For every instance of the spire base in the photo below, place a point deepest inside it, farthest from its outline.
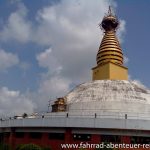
(110, 71)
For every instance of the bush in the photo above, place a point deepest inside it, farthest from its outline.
(5, 147)
(19, 146)
(30, 147)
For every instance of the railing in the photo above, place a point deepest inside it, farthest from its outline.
(84, 114)
(92, 120)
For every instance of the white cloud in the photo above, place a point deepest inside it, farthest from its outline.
(122, 30)
(50, 88)
(7, 60)
(139, 83)
(126, 60)
(69, 23)
(13, 102)
(17, 27)
(54, 87)
(52, 84)
(46, 59)
(71, 29)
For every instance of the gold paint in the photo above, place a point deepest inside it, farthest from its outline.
(111, 46)
(110, 57)
(59, 105)
(110, 71)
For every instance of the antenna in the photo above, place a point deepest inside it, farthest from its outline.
(109, 10)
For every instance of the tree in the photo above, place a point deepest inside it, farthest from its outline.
(30, 147)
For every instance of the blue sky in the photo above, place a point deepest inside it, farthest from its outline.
(136, 40)
(47, 47)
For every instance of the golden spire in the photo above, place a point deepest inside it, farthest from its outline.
(110, 57)
(110, 50)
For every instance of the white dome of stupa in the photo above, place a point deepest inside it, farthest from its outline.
(109, 96)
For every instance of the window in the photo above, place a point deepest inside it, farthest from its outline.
(35, 135)
(82, 137)
(56, 136)
(6, 134)
(19, 134)
(140, 140)
(111, 138)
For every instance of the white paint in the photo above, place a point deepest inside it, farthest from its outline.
(109, 97)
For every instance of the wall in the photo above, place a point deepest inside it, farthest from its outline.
(55, 144)
(110, 71)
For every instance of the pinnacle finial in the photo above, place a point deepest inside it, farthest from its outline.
(110, 21)
(110, 56)
(109, 11)
(110, 49)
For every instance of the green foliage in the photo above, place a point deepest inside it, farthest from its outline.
(19, 146)
(30, 147)
(4, 147)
